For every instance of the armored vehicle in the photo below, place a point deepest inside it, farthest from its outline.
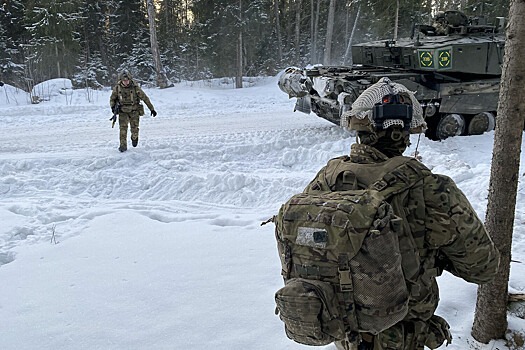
(453, 66)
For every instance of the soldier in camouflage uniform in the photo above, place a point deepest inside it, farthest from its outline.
(436, 216)
(127, 95)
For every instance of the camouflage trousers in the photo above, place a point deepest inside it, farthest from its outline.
(132, 119)
(405, 335)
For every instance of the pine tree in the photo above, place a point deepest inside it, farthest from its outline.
(94, 42)
(129, 39)
(53, 45)
(12, 32)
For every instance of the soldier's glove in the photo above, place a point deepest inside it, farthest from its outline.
(153, 113)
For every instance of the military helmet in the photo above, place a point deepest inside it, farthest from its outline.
(125, 74)
(383, 105)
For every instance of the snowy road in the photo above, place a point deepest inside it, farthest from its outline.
(160, 247)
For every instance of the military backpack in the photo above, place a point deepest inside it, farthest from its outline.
(129, 99)
(339, 251)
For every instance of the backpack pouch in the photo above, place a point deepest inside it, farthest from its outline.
(380, 291)
(309, 311)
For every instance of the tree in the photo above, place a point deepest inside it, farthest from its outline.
(278, 31)
(53, 44)
(12, 32)
(329, 32)
(491, 308)
(240, 48)
(298, 4)
(93, 67)
(348, 52)
(396, 25)
(128, 38)
(162, 80)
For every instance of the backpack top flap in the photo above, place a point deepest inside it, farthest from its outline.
(336, 222)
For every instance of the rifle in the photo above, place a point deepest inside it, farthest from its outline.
(116, 110)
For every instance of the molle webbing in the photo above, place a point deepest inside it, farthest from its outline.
(127, 96)
(393, 175)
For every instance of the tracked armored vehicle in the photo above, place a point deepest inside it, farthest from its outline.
(453, 66)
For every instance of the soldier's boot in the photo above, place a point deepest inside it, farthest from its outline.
(135, 141)
(123, 145)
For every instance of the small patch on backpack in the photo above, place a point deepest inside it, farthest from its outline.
(312, 237)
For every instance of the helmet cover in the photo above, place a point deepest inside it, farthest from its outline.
(360, 116)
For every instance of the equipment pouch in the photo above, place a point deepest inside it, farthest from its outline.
(141, 109)
(438, 332)
(126, 108)
(309, 311)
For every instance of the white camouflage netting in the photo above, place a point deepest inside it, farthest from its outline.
(362, 106)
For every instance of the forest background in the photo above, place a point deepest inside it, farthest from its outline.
(90, 41)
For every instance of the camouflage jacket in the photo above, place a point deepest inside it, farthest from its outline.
(129, 97)
(448, 234)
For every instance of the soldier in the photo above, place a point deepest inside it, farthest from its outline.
(125, 101)
(436, 216)
(440, 23)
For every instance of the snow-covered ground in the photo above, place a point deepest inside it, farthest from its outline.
(161, 247)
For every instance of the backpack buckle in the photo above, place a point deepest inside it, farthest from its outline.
(345, 281)
(380, 185)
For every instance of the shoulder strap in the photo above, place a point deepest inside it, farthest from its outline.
(119, 92)
(401, 177)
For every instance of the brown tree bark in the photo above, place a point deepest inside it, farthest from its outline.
(491, 308)
(162, 79)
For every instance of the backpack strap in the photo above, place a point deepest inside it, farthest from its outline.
(401, 177)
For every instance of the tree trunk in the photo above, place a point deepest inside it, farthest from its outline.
(298, 30)
(429, 7)
(59, 73)
(312, 28)
(162, 80)
(491, 308)
(278, 31)
(327, 60)
(238, 75)
(316, 27)
(348, 53)
(396, 25)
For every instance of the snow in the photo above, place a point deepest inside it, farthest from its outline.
(161, 247)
